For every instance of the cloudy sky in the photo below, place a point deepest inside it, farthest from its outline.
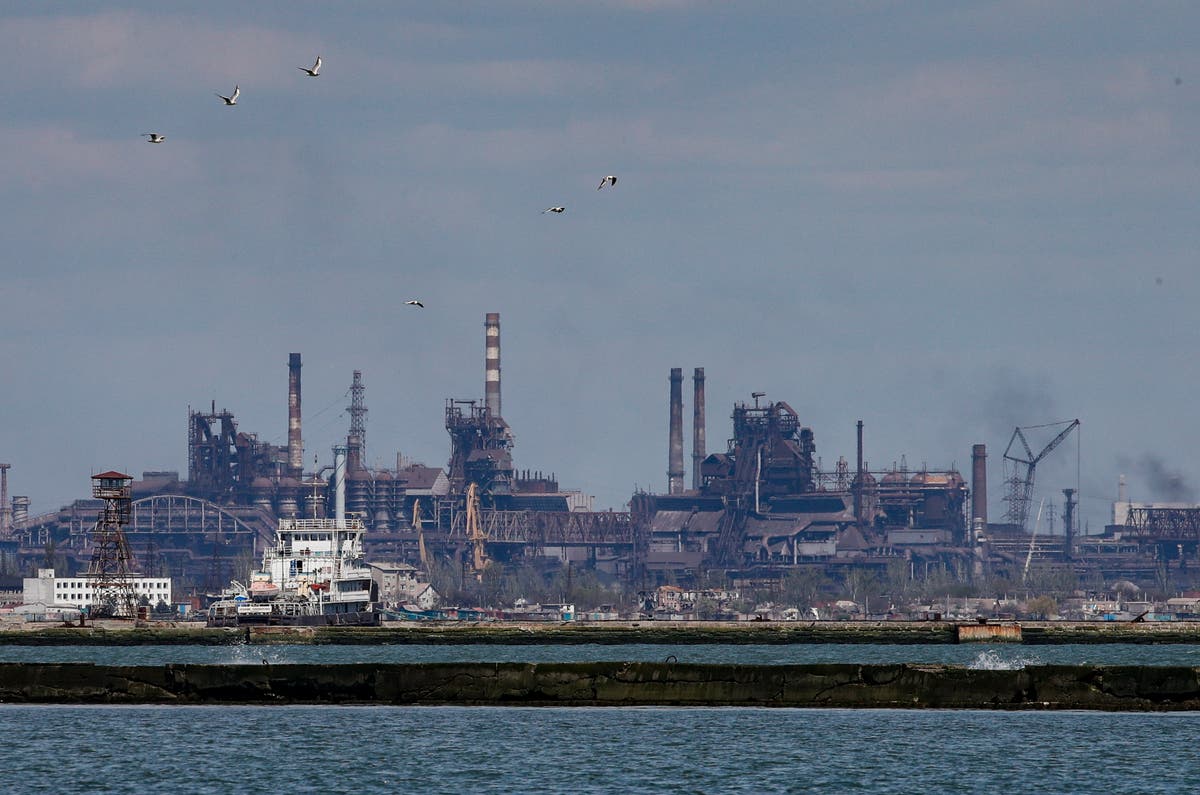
(945, 219)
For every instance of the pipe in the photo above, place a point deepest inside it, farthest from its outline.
(979, 517)
(339, 483)
(675, 471)
(858, 479)
(698, 453)
(491, 383)
(295, 443)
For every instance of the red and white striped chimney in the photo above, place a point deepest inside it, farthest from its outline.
(491, 385)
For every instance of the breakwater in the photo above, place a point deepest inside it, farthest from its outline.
(1114, 688)
(607, 633)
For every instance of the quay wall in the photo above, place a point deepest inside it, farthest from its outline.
(613, 684)
(613, 633)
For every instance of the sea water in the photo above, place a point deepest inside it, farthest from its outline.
(291, 749)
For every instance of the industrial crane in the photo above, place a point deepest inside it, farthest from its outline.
(1020, 486)
(476, 534)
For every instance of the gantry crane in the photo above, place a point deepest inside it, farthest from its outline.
(1020, 484)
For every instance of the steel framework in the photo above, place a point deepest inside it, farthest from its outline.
(109, 570)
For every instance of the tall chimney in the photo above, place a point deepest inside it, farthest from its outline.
(339, 483)
(1069, 524)
(979, 516)
(295, 444)
(697, 426)
(858, 479)
(6, 517)
(491, 385)
(675, 471)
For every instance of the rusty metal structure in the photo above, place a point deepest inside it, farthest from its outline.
(110, 570)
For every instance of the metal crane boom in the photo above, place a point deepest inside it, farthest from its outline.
(1020, 488)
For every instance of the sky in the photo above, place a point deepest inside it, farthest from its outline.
(945, 219)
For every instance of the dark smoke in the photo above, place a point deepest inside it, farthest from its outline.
(1164, 484)
(1014, 398)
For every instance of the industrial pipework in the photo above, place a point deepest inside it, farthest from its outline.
(339, 483)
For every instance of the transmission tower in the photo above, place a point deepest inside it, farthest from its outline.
(108, 572)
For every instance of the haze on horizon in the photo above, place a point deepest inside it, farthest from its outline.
(946, 221)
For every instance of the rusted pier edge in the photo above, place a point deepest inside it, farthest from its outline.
(749, 633)
(611, 684)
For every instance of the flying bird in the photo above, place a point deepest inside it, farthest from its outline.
(154, 138)
(415, 302)
(315, 71)
(609, 180)
(1179, 81)
(232, 98)
(554, 210)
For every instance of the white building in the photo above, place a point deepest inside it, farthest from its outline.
(48, 590)
(401, 584)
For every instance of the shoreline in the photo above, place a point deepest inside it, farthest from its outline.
(116, 633)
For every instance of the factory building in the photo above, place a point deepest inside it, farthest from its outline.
(761, 506)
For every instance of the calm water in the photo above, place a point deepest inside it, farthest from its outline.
(999, 656)
(223, 750)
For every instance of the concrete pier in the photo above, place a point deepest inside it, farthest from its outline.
(613, 684)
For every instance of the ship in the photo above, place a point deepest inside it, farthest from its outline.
(314, 575)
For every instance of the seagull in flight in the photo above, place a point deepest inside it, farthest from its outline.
(609, 180)
(554, 210)
(232, 98)
(315, 71)
(154, 138)
(415, 302)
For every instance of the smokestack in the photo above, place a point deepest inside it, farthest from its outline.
(979, 516)
(858, 479)
(339, 483)
(6, 517)
(697, 426)
(295, 443)
(491, 384)
(1069, 524)
(675, 471)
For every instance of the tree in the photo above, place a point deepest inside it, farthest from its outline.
(803, 587)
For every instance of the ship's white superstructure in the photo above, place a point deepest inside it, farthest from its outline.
(314, 574)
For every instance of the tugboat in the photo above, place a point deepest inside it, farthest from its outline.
(313, 576)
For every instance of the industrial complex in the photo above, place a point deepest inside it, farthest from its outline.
(753, 512)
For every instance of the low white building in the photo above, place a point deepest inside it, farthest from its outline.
(48, 589)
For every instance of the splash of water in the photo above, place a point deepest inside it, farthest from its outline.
(994, 660)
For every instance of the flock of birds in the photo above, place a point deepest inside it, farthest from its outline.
(315, 71)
